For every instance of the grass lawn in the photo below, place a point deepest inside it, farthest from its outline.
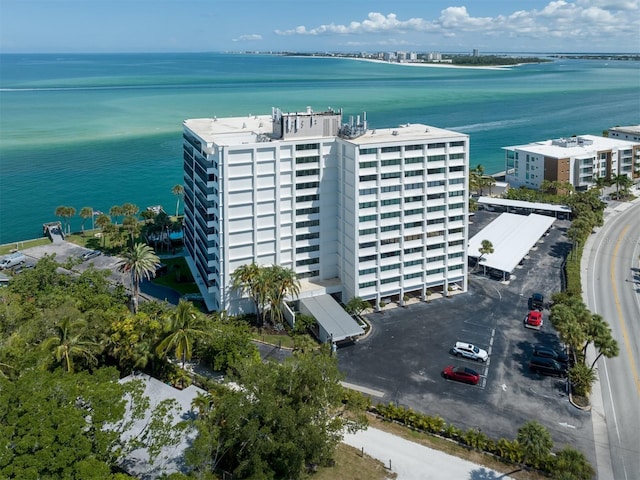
(283, 339)
(7, 248)
(351, 465)
(170, 279)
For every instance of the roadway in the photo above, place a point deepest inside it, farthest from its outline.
(611, 288)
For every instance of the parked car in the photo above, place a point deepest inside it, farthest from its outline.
(468, 350)
(547, 366)
(536, 302)
(461, 374)
(12, 260)
(90, 254)
(534, 320)
(548, 352)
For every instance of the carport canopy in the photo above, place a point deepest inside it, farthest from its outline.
(512, 236)
(521, 204)
(333, 322)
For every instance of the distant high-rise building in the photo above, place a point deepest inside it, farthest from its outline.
(476, 53)
(354, 211)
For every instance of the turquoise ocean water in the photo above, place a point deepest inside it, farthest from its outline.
(102, 130)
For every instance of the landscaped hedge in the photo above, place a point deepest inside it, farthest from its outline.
(508, 451)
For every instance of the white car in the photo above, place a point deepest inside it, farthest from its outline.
(463, 349)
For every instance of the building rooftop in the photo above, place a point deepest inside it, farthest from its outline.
(260, 128)
(630, 129)
(572, 146)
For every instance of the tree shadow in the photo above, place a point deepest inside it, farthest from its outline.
(484, 474)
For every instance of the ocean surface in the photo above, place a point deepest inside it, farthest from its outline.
(103, 130)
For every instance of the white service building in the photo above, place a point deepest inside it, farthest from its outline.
(353, 211)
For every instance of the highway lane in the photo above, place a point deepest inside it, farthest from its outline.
(613, 291)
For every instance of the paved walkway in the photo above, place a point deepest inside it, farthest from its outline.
(412, 461)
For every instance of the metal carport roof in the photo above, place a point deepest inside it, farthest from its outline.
(512, 236)
(504, 202)
(332, 319)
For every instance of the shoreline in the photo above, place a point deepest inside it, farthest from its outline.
(420, 65)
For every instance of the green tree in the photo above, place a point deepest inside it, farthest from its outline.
(582, 378)
(356, 305)
(281, 418)
(130, 209)
(250, 279)
(178, 191)
(536, 443)
(571, 464)
(229, 343)
(184, 326)
(622, 183)
(85, 213)
(57, 425)
(132, 226)
(281, 282)
(71, 339)
(139, 263)
(116, 212)
(485, 248)
(65, 213)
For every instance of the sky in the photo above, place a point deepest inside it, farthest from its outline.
(110, 26)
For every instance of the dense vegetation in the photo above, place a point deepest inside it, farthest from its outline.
(66, 340)
(490, 60)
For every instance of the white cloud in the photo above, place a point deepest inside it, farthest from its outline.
(585, 20)
(248, 38)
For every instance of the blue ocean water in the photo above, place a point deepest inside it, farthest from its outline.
(103, 130)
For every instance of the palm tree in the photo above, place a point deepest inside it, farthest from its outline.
(535, 441)
(71, 339)
(282, 282)
(178, 191)
(130, 210)
(66, 213)
(131, 225)
(140, 262)
(116, 212)
(247, 279)
(85, 213)
(183, 330)
(622, 182)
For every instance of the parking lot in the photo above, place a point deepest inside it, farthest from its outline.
(401, 360)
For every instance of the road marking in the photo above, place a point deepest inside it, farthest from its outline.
(565, 424)
(625, 335)
(360, 388)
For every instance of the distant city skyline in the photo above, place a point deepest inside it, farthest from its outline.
(113, 26)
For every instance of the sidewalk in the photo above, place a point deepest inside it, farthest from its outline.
(412, 461)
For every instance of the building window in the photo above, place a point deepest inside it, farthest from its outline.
(390, 215)
(307, 198)
(392, 188)
(307, 236)
(393, 201)
(368, 178)
(368, 218)
(367, 284)
(307, 146)
(409, 276)
(390, 280)
(309, 248)
(368, 204)
(367, 231)
(368, 164)
(307, 173)
(387, 163)
(456, 144)
(368, 151)
(436, 158)
(367, 245)
(307, 261)
(313, 159)
(368, 258)
(409, 161)
(307, 211)
(307, 185)
(385, 176)
(368, 271)
(389, 149)
(414, 173)
(412, 147)
(432, 146)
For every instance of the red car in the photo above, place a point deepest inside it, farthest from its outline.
(461, 374)
(534, 320)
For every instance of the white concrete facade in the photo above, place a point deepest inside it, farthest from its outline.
(577, 160)
(360, 212)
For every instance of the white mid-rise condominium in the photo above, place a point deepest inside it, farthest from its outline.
(576, 160)
(379, 214)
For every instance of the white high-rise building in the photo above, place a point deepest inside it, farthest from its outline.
(353, 211)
